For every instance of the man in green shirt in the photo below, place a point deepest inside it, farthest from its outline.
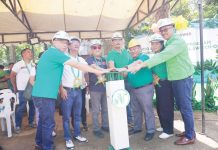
(45, 89)
(119, 57)
(180, 70)
(143, 91)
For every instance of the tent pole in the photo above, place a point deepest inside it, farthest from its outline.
(202, 63)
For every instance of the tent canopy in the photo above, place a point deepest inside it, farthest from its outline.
(22, 19)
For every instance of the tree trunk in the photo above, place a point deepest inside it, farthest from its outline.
(163, 12)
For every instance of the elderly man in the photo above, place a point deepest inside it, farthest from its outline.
(180, 70)
(119, 57)
(20, 75)
(97, 90)
(143, 91)
(45, 89)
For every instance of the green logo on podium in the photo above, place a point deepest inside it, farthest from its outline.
(120, 98)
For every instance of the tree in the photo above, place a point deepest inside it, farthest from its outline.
(186, 8)
(210, 8)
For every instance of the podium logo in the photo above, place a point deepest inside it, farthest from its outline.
(120, 98)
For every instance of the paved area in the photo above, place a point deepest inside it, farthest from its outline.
(25, 140)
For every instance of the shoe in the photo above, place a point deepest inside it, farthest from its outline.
(106, 129)
(32, 125)
(130, 125)
(98, 134)
(80, 139)
(159, 129)
(149, 136)
(17, 130)
(85, 128)
(69, 144)
(165, 135)
(132, 131)
(37, 147)
(182, 134)
(54, 134)
(184, 141)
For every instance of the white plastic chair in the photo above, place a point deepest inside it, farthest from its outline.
(7, 110)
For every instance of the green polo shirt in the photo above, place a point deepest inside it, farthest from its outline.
(143, 76)
(49, 73)
(120, 59)
(176, 56)
(160, 70)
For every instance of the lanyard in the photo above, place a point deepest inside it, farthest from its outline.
(78, 72)
(28, 69)
(96, 62)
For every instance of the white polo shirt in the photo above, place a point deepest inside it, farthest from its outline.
(70, 73)
(23, 73)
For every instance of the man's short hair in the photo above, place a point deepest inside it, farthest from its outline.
(24, 51)
(11, 63)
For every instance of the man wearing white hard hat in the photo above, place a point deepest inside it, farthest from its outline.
(97, 90)
(71, 94)
(180, 70)
(45, 89)
(163, 89)
(142, 93)
(119, 57)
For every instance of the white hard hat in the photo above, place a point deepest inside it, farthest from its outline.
(61, 35)
(156, 37)
(95, 42)
(164, 22)
(117, 35)
(72, 38)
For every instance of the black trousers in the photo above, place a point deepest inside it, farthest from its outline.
(165, 105)
(83, 111)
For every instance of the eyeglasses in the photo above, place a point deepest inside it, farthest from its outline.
(96, 47)
(165, 29)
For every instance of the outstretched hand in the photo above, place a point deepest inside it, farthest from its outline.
(135, 66)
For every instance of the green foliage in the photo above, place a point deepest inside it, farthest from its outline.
(209, 65)
(19, 48)
(210, 8)
(189, 9)
(211, 68)
(3, 55)
(185, 8)
(131, 33)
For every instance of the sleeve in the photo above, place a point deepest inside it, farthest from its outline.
(144, 57)
(16, 67)
(60, 57)
(169, 52)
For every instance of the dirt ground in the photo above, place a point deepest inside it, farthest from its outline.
(25, 140)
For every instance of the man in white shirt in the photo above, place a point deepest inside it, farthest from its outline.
(71, 94)
(20, 75)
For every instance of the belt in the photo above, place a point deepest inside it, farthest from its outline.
(143, 86)
(68, 88)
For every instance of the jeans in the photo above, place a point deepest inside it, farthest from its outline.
(182, 90)
(165, 105)
(83, 111)
(46, 123)
(21, 108)
(99, 104)
(129, 106)
(72, 103)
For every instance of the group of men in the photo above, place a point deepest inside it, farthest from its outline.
(61, 70)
